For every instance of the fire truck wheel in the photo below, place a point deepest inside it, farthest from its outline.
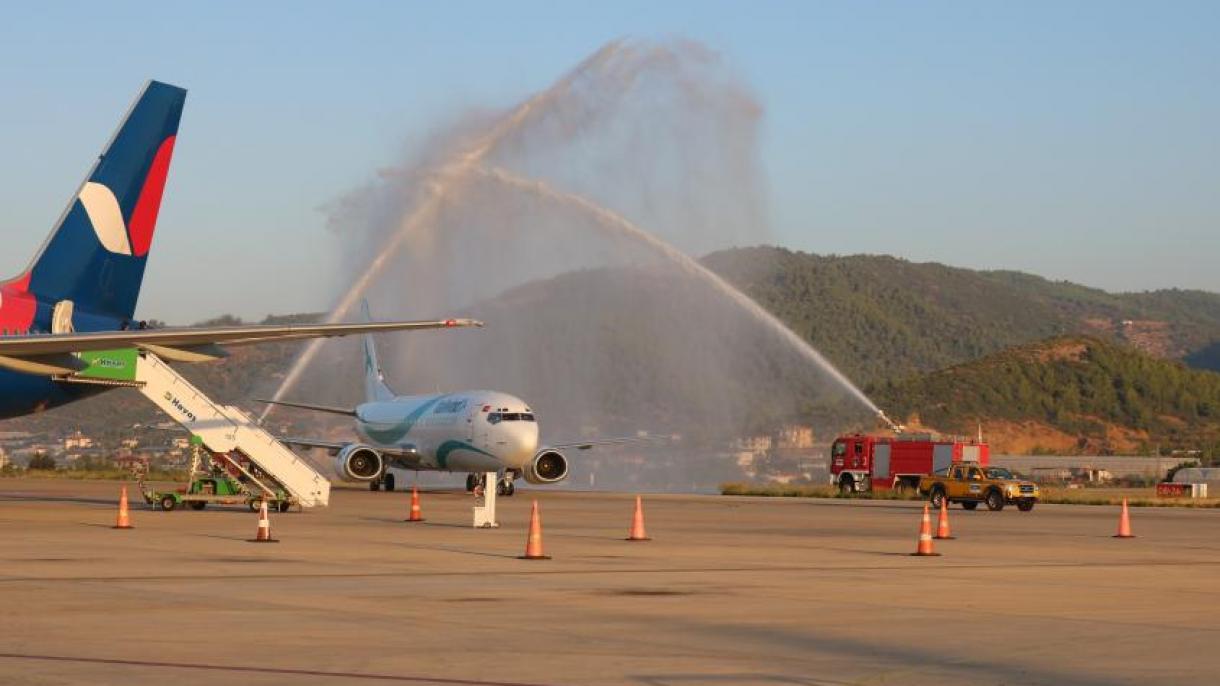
(198, 504)
(168, 503)
(969, 504)
(284, 505)
(938, 497)
(995, 500)
(846, 485)
(255, 505)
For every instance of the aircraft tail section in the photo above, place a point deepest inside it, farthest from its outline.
(375, 388)
(96, 253)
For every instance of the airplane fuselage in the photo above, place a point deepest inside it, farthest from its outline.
(470, 431)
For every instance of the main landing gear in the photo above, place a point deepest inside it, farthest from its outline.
(386, 481)
(504, 486)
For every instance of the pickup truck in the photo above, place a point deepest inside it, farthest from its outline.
(970, 484)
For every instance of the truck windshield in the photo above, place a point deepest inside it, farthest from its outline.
(840, 449)
(999, 473)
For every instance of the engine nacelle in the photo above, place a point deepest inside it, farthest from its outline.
(357, 462)
(547, 467)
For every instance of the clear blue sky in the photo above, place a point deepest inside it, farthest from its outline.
(1073, 140)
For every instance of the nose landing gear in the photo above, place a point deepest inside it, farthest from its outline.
(504, 485)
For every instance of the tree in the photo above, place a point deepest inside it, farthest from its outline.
(42, 461)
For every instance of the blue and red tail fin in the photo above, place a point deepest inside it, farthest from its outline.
(96, 254)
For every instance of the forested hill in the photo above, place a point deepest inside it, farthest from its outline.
(1070, 394)
(883, 318)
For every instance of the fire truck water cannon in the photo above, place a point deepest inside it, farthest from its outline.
(898, 428)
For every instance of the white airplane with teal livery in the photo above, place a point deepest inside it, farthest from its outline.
(475, 432)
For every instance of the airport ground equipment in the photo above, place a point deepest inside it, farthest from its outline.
(860, 463)
(485, 505)
(225, 430)
(970, 484)
(218, 480)
(261, 462)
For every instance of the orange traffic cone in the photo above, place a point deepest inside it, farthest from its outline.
(637, 523)
(124, 519)
(416, 513)
(264, 527)
(942, 523)
(924, 548)
(533, 544)
(1124, 523)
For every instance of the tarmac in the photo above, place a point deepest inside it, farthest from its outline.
(729, 591)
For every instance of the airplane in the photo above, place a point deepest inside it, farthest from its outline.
(79, 293)
(476, 432)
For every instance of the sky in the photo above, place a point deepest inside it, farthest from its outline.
(1074, 140)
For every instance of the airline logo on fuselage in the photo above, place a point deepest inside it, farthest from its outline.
(450, 407)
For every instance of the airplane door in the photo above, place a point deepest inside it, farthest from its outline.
(480, 428)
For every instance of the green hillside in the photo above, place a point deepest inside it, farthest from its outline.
(1095, 390)
(881, 317)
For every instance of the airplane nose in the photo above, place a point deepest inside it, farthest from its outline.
(522, 444)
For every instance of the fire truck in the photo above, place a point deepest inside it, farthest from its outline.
(860, 463)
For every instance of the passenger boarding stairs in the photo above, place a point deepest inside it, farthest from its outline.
(224, 428)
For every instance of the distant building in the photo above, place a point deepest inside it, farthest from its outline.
(755, 444)
(4, 459)
(130, 443)
(795, 436)
(77, 441)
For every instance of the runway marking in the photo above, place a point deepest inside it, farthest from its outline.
(591, 572)
(264, 670)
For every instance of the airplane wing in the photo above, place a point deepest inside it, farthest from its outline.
(586, 445)
(52, 353)
(406, 457)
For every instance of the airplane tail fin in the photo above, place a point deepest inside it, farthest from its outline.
(375, 387)
(96, 253)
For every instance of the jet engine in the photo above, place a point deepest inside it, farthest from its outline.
(547, 467)
(357, 462)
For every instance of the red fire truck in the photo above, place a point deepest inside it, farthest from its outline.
(862, 463)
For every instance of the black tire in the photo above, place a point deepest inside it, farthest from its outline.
(994, 500)
(284, 505)
(847, 485)
(969, 504)
(388, 482)
(937, 497)
(255, 505)
(197, 504)
(375, 485)
(510, 489)
(1025, 505)
(471, 482)
(501, 488)
(168, 503)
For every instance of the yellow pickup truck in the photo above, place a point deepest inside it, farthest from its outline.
(970, 484)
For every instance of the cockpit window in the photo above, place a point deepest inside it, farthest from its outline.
(497, 417)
